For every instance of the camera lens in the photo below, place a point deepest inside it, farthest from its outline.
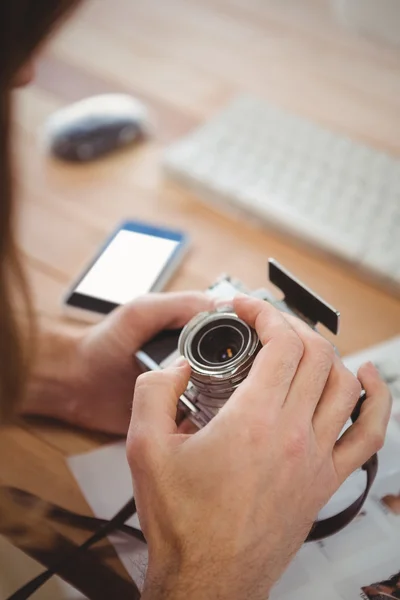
(221, 344)
(220, 348)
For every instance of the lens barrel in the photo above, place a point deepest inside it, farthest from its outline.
(221, 349)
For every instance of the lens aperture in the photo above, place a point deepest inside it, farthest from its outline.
(220, 344)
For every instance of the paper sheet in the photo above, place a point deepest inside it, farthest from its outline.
(362, 561)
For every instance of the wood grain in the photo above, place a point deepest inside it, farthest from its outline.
(185, 59)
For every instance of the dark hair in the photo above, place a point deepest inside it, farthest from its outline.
(24, 26)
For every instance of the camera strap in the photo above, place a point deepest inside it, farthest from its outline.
(327, 527)
(72, 560)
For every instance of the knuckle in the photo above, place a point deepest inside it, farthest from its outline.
(288, 351)
(323, 349)
(388, 398)
(148, 380)
(314, 341)
(138, 446)
(357, 388)
(321, 354)
(372, 438)
(297, 443)
(353, 385)
(294, 344)
(257, 434)
(384, 392)
(376, 439)
(350, 386)
(141, 449)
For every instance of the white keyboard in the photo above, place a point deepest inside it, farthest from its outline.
(285, 171)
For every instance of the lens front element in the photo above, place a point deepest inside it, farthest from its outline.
(220, 348)
(220, 342)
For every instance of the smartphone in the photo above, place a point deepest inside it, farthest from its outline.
(136, 259)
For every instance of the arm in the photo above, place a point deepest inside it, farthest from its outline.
(53, 383)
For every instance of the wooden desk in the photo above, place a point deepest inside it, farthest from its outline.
(186, 59)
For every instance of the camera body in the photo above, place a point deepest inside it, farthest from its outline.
(221, 348)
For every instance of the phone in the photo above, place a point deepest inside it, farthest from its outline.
(136, 259)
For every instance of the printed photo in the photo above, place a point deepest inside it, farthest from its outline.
(375, 581)
(392, 503)
(386, 493)
(384, 590)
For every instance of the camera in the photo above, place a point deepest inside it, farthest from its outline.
(221, 348)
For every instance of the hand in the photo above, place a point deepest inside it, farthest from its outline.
(95, 373)
(225, 510)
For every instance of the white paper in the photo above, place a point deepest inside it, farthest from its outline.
(346, 566)
(105, 480)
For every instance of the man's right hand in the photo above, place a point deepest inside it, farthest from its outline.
(225, 510)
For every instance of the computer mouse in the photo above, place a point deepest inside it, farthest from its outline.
(96, 126)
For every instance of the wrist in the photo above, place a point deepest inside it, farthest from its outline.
(172, 581)
(53, 383)
(175, 579)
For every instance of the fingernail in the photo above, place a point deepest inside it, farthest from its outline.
(371, 368)
(179, 363)
(222, 304)
(242, 297)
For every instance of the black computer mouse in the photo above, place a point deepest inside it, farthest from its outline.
(95, 127)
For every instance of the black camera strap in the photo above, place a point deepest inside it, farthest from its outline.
(327, 527)
(127, 590)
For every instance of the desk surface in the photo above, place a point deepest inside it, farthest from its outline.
(186, 59)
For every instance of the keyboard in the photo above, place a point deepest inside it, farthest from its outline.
(280, 170)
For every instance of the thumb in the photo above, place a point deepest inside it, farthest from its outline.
(155, 400)
(135, 323)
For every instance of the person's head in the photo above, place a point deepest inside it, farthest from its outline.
(24, 26)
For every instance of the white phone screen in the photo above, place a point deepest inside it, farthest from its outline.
(128, 267)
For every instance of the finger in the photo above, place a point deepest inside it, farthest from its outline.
(313, 372)
(131, 325)
(366, 436)
(267, 320)
(155, 400)
(187, 427)
(339, 398)
(276, 364)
